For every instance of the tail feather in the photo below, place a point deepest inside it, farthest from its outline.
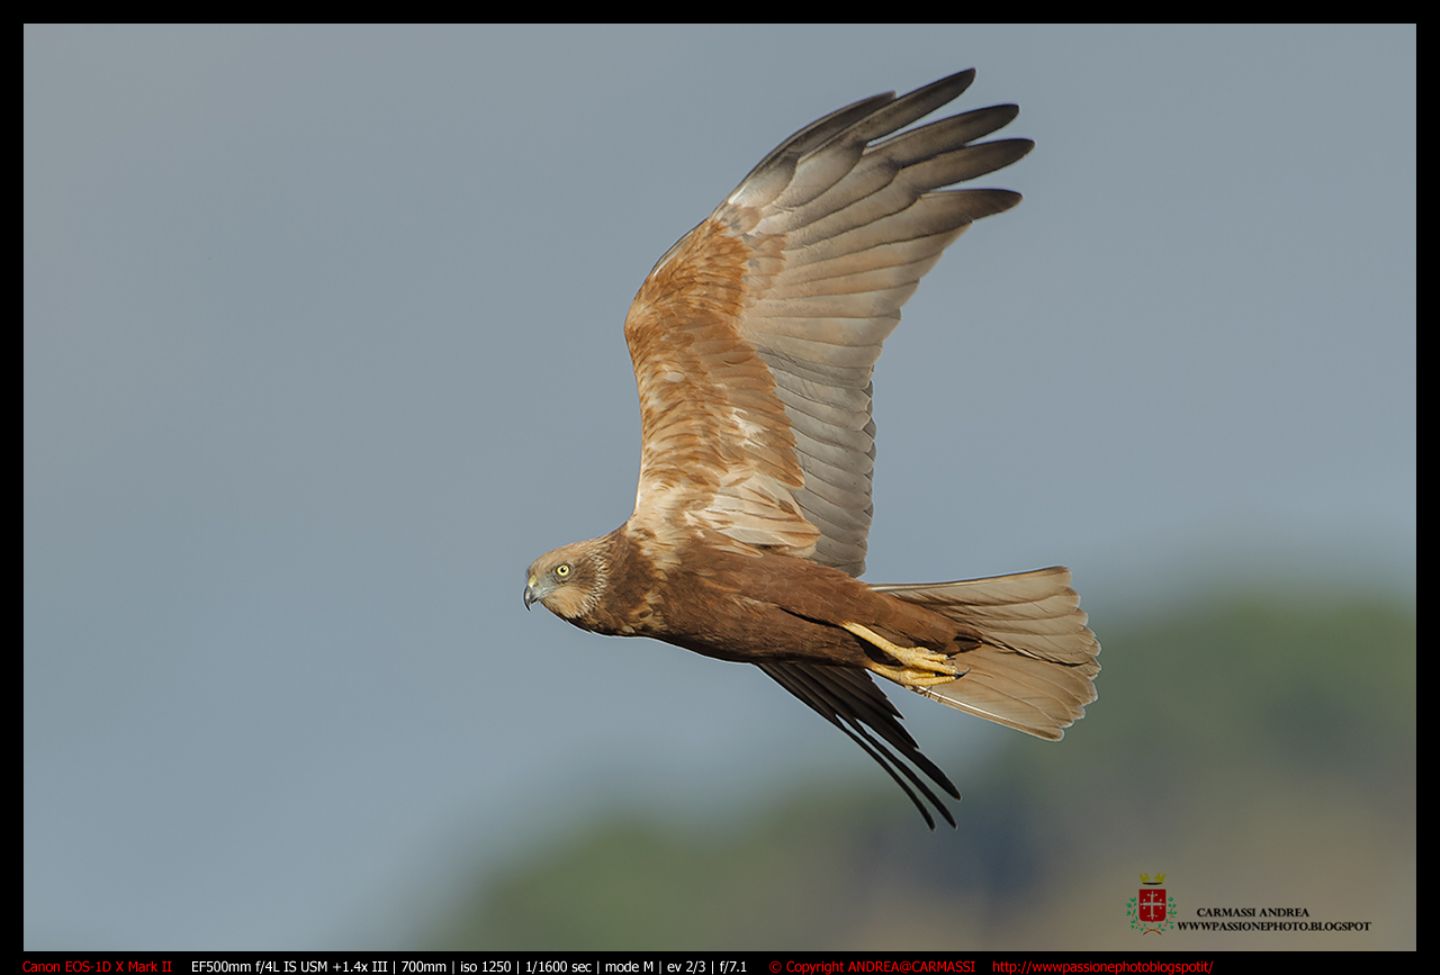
(1035, 665)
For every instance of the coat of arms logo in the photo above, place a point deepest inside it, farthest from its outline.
(1152, 909)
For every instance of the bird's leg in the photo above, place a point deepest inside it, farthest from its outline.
(922, 667)
(906, 677)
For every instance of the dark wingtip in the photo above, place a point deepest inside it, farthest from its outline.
(966, 74)
(945, 811)
(943, 781)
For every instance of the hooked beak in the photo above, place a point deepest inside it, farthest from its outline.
(530, 597)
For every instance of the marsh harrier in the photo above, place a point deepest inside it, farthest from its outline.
(753, 340)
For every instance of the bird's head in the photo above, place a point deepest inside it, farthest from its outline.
(569, 580)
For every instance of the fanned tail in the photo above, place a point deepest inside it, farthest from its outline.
(1034, 668)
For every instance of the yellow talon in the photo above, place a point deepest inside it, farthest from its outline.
(918, 660)
(906, 677)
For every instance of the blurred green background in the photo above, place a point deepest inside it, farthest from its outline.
(1258, 748)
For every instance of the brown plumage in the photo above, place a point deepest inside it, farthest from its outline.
(753, 340)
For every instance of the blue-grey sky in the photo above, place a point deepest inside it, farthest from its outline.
(323, 345)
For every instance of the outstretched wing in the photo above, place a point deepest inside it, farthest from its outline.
(754, 337)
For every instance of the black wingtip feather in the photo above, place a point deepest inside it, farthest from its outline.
(826, 693)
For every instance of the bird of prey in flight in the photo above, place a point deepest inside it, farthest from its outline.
(753, 340)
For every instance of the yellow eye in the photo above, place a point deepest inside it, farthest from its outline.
(562, 570)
